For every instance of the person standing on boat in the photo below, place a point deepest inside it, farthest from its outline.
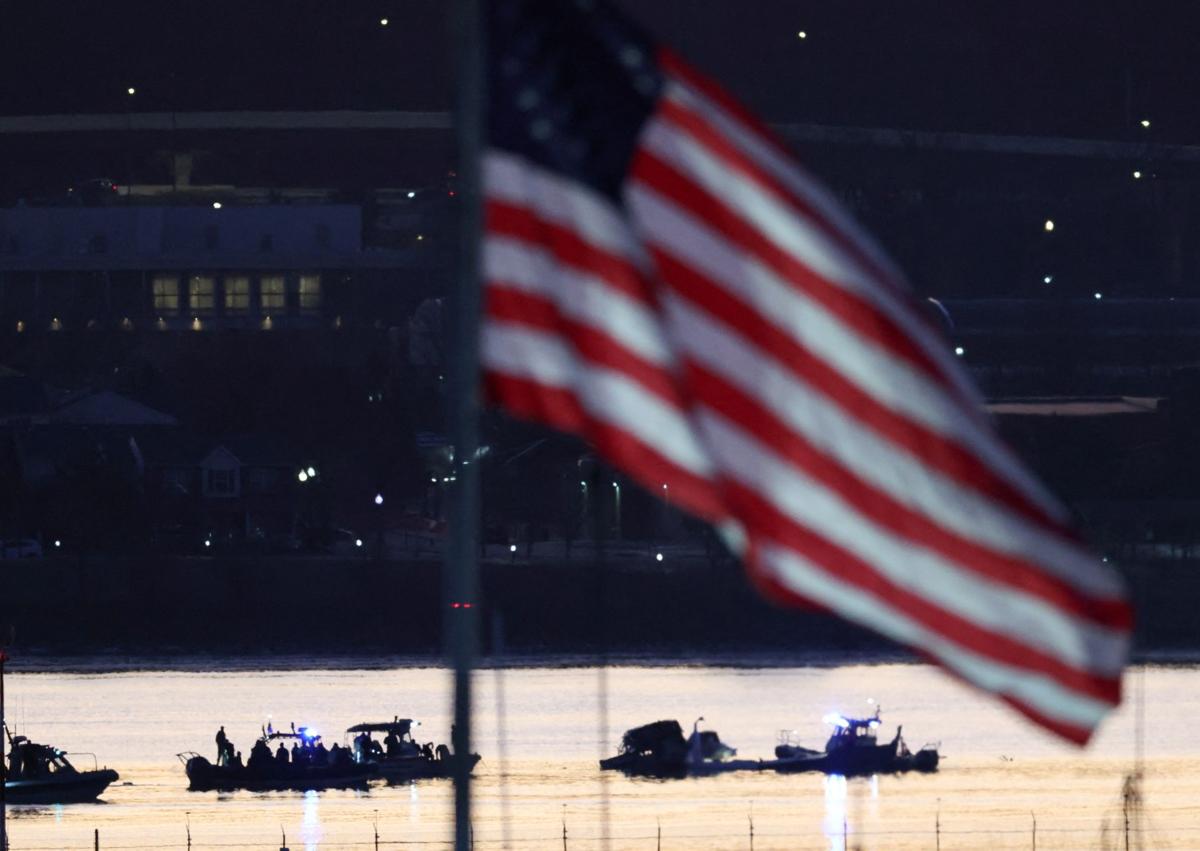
(281, 755)
(222, 745)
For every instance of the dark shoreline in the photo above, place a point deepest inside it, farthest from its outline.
(35, 661)
(222, 610)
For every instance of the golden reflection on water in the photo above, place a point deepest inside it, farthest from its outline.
(999, 774)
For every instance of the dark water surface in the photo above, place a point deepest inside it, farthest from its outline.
(539, 769)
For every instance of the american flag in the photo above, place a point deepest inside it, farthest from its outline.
(663, 279)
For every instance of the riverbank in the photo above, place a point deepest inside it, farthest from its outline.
(632, 608)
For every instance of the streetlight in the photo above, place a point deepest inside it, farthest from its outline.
(617, 508)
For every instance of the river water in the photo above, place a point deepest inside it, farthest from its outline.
(540, 732)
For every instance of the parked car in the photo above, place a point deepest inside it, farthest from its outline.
(20, 548)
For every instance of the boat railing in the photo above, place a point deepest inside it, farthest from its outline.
(185, 756)
(73, 754)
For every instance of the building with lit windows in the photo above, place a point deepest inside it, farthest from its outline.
(148, 266)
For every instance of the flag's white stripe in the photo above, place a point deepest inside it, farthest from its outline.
(595, 219)
(888, 380)
(1039, 691)
(839, 436)
(510, 263)
(796, 235)
(606, 394)
(999, 609)
(783, 169)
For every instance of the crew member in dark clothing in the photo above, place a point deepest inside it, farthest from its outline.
(260, 755)
(221, 743)
(281, 755)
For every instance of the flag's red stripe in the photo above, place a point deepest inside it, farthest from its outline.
(592, 344)
(927, 446)
(560, 408)
(889, 513)
(686, 120)
(1073, 732)
(764, 519)
(528, 225)
(676, 67)
(852, 309)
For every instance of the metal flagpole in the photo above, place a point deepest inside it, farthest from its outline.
(3, 762)
(462, 567)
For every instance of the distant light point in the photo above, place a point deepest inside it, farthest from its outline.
(658, 556)
(216, 205)
(131, 90)
(1146, 123)
(302, 475)
(512, 548)
(802, 35)
(1049, 279)
(960, 351)
(379, 499)
(1137, 175)
(1049, 225)
(1097, 296)
(383, 22)
(412, 194)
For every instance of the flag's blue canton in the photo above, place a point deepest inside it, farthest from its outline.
(571, 84)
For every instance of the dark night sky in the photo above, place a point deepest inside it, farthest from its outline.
(1054, 68)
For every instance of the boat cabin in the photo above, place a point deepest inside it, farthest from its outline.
(30, 761)
(397, 739)
(851, 732)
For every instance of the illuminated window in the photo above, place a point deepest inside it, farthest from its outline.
(166, 294)
(310, 292)
(201, 293)
(237, 295)
(272, 295)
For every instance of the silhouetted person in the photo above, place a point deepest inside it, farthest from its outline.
(337, 754)
(222, 741)
(260, 755)
(281, 755)
(296, 757)
(320, 754)
(236, 762)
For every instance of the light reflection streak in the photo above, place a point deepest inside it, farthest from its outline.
(310, 829)
(834, 824)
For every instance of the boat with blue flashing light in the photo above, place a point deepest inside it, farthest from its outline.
(42, 774)
(853, 749)
(399, 757)
(306, 765)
